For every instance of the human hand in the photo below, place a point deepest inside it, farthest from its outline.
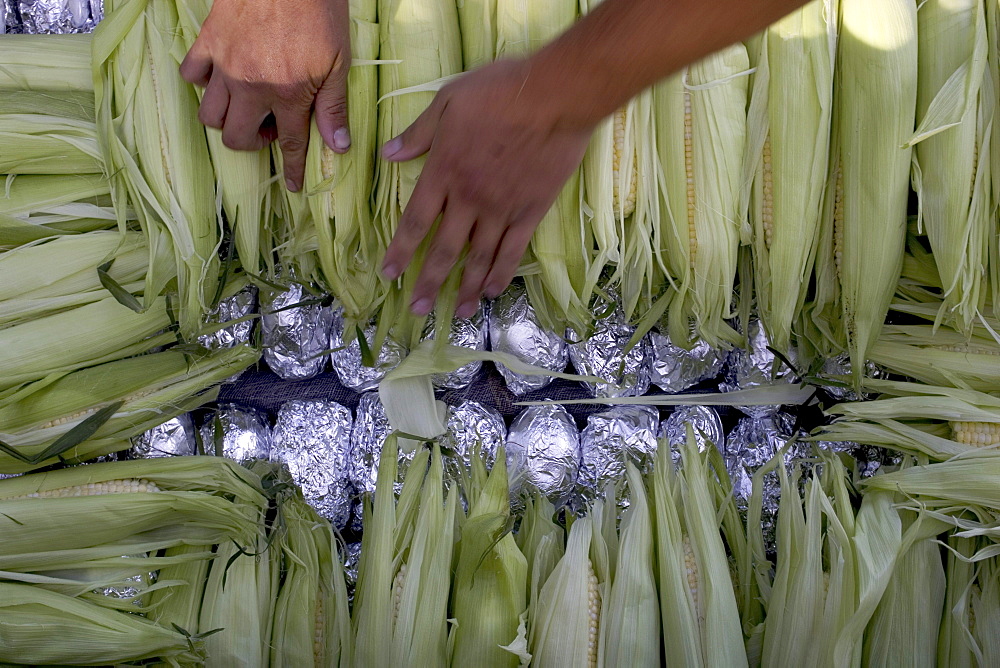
(265, 69)
(498, 155)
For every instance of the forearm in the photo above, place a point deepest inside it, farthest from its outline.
(625, 46)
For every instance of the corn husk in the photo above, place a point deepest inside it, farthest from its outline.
(64, 69)
(43, 143)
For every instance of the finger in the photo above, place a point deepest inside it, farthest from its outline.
(331, 109)
(214, 104)
(241, 131)
(486, 238)
(422, 210)
(197, 65)
(416, 140)
(508, 259)
(293, 138)
(449, 241)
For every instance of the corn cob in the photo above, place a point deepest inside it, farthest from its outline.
(349, 244)
(789, 141)
(630, 634)
(491, 578)
(701, 134)
(153, 389)
(542, 542)
(942, 357)
(157, 155)
(64, 69)
(47, 144)
(955, 112)
(877, 89)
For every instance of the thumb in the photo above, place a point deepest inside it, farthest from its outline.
(415, 140)
(331, 111)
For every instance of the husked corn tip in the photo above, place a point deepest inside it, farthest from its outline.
(326, 166)
(628, 206)
(163, 145)
(979, 434)
(969, 349)
(691, 570)
(689, 175)
(397, 591)
(594, 603)
(123, 486)
(79, 415)
(767, 209)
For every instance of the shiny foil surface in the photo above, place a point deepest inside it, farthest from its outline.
(173, 438)
(470, 333)
(754, 367)
(243, 434)
(240, 305)
(612, 438)
(514, 329)
(295, 339)
(603, 355)
(543, 453)
(313, 439)
(472, 427)
(674, 369)
(707, 428)
(347, 362)
(56, 17)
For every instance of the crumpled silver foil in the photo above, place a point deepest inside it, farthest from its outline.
(139, 584)
(468, 333)
(674, 369)
(612, 438)
(352, 557)
(707, 429)
(514, 329)
(295, 339)
(240, 305)
(9, 22)
(841, 366)
(603, 355)
(371, 427)
(750, 445)
(754, 367)
(60, 16)
(347, 363)
(173, 438)
(472, 427)
(869, 459)
(245, 434)
(313, 439)
(543, 453)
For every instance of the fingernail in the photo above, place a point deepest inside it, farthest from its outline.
(342, 139)
(392, 147)
(292, 185)
(467, 310)
(422, 306)
(390, 271)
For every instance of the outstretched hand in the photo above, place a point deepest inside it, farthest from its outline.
(497, 157)
(264, 70)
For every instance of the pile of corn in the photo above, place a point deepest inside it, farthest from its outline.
(185, 561)
(842, 164)
(200, 560)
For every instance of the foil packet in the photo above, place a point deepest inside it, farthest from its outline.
(347, 359)
(132, 588)
(173, 438)
(468, 333)
(543, 453)
(756, 366)
(603, 355)
(612, 438)
(240, 305)
(9, 21)
(56, 17)
(351, 555)
(313, 440)
(241, 434)
(472, 427)
(295, 338)
(841, 366)
(514, 329)
(371, 427)
(707, 427)
(674, 369)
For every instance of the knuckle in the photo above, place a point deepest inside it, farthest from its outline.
(479, 258)
(292, 143)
